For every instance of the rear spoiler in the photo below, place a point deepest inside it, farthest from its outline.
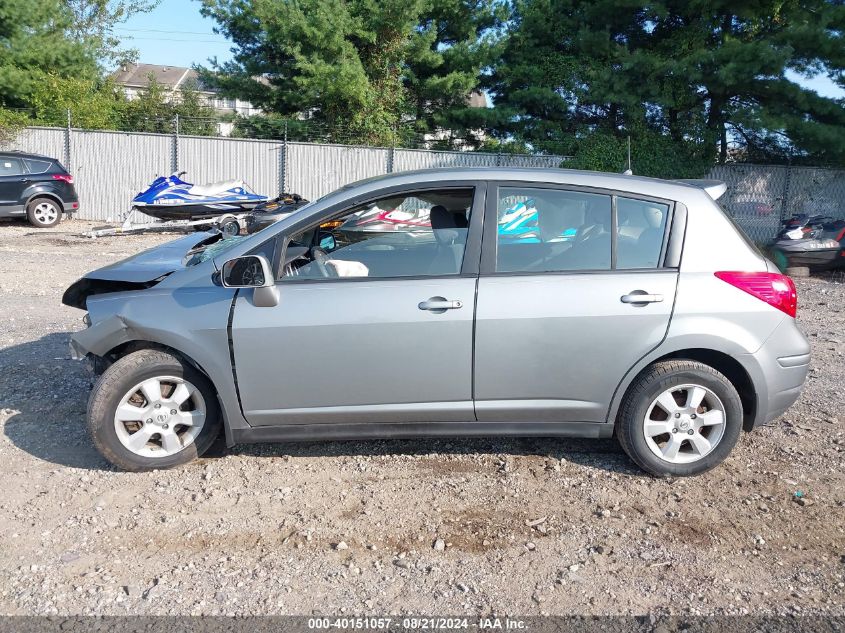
(714, 188)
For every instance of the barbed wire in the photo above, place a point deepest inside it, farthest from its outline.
(404, 135)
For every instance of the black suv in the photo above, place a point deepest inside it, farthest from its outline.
(37, 186)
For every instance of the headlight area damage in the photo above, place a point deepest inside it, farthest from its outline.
(139, 272)
(78, 292)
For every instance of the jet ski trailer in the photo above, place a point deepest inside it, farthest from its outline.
(228, 224)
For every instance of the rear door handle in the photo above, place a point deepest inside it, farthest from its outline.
(641, 297)
(438, 305)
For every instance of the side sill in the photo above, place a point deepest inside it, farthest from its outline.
(300, 432)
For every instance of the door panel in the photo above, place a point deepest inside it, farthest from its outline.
(554, 347)
(356, 351)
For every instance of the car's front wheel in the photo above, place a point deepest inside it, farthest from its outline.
(679, 418)
(43, 212)
(151, 409)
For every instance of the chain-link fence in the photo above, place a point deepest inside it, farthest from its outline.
(760, 197)
(110, 168)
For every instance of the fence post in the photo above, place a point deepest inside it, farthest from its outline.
(391, 152)
(67, 155)
(283, 162)
(785, 192)
(174, 154)
(499, 159)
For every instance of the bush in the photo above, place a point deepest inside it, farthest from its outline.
(652, 154)
(11, 124)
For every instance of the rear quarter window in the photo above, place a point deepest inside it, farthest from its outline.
(742, 234)
(36, 166)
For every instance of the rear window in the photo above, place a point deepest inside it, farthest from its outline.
(36, 166)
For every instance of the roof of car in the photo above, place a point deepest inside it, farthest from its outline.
(670, 189)
(20, 154)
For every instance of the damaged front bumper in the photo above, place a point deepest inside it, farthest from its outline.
(99, 338)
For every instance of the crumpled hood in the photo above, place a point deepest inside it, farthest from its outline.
(137, 272)
(155, 262)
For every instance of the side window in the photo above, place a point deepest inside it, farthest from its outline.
(641, 225)
(413, 234)
(37, 166)
(549, 230)
(10, 166)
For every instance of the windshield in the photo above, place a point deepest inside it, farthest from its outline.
(209, 251)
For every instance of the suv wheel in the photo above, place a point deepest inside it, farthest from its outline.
(151, 409)
(679, 418)
(43, 212)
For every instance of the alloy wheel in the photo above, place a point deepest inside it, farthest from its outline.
(45, 212)
(160, 416)
(684, 423)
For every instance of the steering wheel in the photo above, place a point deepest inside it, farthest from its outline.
(319, 257)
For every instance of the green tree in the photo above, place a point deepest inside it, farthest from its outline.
(92, 104)
(704, 74)
(34, 40)
(94, 22)
(11, 124)
(362, 67)
(155, 110)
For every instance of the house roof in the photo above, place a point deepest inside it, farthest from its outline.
(138, 75)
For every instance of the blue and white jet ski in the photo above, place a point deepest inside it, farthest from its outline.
(171, 198)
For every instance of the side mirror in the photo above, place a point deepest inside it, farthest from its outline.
(252, 271)
(327, 242)
(249, 271)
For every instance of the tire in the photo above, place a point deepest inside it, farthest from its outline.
(679, 378)
(43, 212)
(117, 382)
(229, 226)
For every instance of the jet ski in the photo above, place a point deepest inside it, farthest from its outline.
(815, 241)
(171, 198)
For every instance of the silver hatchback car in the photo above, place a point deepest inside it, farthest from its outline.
(450, 302)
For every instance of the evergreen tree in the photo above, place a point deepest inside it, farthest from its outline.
(703, 74)
(363, 67)
(34, 40)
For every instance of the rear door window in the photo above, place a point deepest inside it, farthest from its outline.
(552, 230)
(10, 166)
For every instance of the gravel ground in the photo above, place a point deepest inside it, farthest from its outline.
(436, 527)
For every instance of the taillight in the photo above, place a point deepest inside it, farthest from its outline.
(64, 178)
(775, 289)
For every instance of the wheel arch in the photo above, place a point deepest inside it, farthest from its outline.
(722, 362)
(45, 194)
(127, 347)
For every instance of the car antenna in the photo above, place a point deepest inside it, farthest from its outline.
(629, 171)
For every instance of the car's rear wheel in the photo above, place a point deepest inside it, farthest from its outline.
(43, 212)
(679, 418)
(151, 409)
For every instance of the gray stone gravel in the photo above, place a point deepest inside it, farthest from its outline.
(454, 526)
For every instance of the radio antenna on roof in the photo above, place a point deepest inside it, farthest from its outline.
(629, 171)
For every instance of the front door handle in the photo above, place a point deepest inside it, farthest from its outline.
(439, 305)
(640, 297)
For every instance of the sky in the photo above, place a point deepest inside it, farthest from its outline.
(175, 34)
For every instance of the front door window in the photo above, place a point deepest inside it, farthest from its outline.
(407, 235)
